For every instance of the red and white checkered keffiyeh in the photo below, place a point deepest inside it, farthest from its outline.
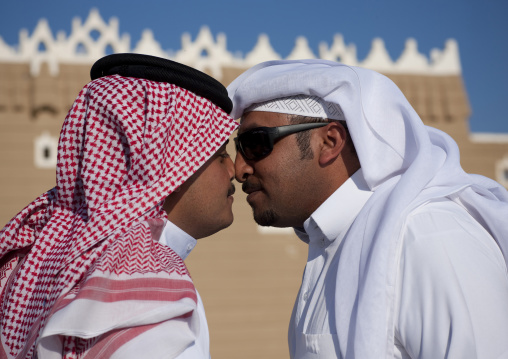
(81, 271)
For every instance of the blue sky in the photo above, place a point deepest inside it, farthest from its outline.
(480, 27)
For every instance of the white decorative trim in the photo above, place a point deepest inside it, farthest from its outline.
(275, 230)
(207, 53)
(482, 137)
(45, 151)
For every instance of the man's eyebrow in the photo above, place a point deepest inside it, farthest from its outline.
(250, 127)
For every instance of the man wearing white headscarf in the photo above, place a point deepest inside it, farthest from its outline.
(407, 252)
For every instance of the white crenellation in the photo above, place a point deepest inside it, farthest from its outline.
(40, 48)
(378, 58)
(447, 61)
(339, 51)
(301, 50)
(81, 47)
(148, 45)
(411, 59)
(206, 53)
(262, 51)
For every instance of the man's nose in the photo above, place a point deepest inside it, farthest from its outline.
(230, 168)
(242, 168)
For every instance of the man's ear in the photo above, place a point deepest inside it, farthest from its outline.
(333, 140)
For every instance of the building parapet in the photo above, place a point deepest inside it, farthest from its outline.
(95, 38)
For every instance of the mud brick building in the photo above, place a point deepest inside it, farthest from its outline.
(247, 276)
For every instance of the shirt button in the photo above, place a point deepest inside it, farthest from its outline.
(305, 296)
(323, 242)
(189, 248)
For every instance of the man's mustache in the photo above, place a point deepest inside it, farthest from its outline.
(249, 187)
(232, 190)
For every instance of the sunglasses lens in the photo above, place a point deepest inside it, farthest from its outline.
(255, 144)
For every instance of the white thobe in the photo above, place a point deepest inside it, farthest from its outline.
(451, 292)
(182, 243)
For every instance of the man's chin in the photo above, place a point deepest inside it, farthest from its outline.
(266, 218)
(229, 222)
(221, 225)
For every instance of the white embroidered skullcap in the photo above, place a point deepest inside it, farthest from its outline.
(302, 105)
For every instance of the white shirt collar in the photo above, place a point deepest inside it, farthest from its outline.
(335, 215)
(178, 240)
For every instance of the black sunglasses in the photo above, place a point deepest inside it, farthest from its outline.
(258, 142)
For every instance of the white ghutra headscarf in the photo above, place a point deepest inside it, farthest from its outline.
(404, 162)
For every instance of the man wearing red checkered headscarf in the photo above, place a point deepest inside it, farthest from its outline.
(94, 267)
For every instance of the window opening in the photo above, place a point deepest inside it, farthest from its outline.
(95, 34)
(81, 49)
(42, 47)
(109, 50)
